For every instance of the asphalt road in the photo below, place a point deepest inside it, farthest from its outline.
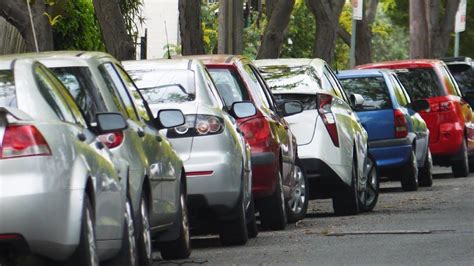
(433, 226)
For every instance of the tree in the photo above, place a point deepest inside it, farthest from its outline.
(431, 25)
(273, 37)
(16, 13)
(231, 27)
(114, 32)
(326, 14)
(190, 27)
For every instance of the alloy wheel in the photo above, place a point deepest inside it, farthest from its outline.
(91, 239)
(146, 229)
(298, 199)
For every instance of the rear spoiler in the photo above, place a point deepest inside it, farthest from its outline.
(15, 113)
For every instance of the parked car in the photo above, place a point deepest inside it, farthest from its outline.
(449, 118)
(98, 83)
(279, 184)
(63, 195)
(332, 144)
(462, 70)
(398, 136)
(215, 155)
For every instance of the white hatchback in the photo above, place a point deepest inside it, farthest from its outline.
(332, 144)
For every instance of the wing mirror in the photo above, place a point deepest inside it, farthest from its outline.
(169, 118)
(357, 101)
(292, 108)
(243, 109)
(110, 123)
(420, 105)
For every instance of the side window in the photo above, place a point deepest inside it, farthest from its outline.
(399, 94)
(454, 85)
(265, 89)
(114, 84)
(137, 97)
(256, 87)
(332, 84)
(210, 83)
(52, 96)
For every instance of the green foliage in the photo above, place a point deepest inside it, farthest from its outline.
(210, 22)
(253, 34)
(76, 28)
(133, 16)
(390, 41)
(300, 33)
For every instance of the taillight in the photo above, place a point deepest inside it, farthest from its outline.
(112, 140)
(442, 106)
(198, 125)
(256, 131)
(324, 109)
(10, 237)
(23, 141)
(400, 123)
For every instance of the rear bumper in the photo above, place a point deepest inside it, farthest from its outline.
(451, 136)
(390, 153)
(264, 172)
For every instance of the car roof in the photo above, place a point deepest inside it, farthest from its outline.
(409, 63)
(218, 59)
(291, 62)
(63, 56)
(167, 64)
(352, 73)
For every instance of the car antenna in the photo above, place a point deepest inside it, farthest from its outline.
(167, 42)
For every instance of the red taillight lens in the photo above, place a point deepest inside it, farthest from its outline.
(23, 141)
(9, 237)
(256, 131)
(324, 109)
(198, 125)
(442, 106)
(112, 140)
(400, 124)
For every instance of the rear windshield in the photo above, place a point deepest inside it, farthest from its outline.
(7, 89)
(309, 101)
(79, 82)
(230, 87)
(285, 78)
(373, 89)
(421, 83)
(465, 79)
(167, 86)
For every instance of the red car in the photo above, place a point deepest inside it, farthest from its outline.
(279, 184)
(449, 119)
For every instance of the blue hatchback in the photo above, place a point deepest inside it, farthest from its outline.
(398, 136)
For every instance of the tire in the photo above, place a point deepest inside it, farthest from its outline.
(272, 209)
(252, 228)
(297, 205)
(346, 202)
(128, 252)
(409, 174)
(461, 167)
(369, 196)
(181, 247)
(234, 232)
(425, 176)
(144, 234)
(86, 252)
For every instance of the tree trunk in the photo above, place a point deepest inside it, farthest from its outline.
(231, 27)
(16, 13)
(420, 45)
(269, 7)
(363, 53)
(112, 25)
(327, 15)
(190, 27)
(273, 37)
(442, 29)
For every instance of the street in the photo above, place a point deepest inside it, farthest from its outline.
(433, 226)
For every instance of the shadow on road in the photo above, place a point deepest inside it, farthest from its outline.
(320, 215)
(443, 176)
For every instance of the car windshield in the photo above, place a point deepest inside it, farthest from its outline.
(7, 89)
(421, 83)
(166, 86)
(309, 101)
(294, 78)
(465, 79)
(373, 89)
(230, 87)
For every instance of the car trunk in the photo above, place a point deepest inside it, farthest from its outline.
(303, 126)
(378, 123)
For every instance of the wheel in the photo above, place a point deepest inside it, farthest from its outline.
(86, 253)
(128, 252)
(425, 176)
(181, 247)
(144, 234)
(298, 204)
(369, 195)
(461, 167)
(234, 232)
(272, 209)
(252, 228)
(345, 202)
(409, 174)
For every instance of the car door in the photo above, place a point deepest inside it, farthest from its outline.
(110, 192)
(163, 175)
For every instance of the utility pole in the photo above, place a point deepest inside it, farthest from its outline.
(231, 24)
(357, 14)
(460, 25)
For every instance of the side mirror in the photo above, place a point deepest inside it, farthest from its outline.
(110, 123)
(243, 109)
(420, 105)
(169, 118)
(357, 100)
(292, 108)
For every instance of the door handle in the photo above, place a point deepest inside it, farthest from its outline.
(141, 133)
(159, 138)
(82, 137)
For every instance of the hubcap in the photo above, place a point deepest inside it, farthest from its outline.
(130, 234)
(146, 229)
(184, 213)
(298, 199)
(91, 239)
